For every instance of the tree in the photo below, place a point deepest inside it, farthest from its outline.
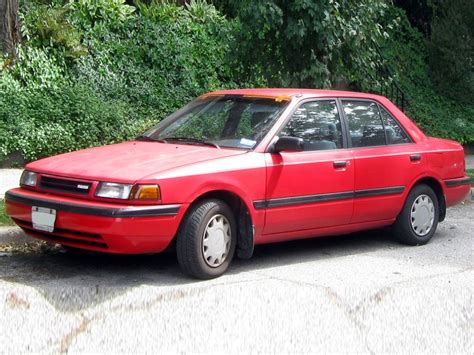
(9, 27)
(419, 12)
(329, 43)
(451, 50)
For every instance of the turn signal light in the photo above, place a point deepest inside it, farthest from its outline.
(145, 192)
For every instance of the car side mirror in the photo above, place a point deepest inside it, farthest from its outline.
(287, 144)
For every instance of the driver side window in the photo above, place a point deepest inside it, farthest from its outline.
(318, 124)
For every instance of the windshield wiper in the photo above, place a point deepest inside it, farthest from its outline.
(190, 140)
(144, 138)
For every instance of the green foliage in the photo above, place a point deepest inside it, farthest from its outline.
(451, 50)
(45, 26)
(4, 219)
(46, 121)
(91, 72)
(470, 173)
(108, 13)
(158, 10)
(136, 71)
(201, 11)
(156, 66)
(166, 10)
(307, 43)
(406, 51)
(41, 67)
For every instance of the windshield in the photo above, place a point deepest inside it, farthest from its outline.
(222, 121)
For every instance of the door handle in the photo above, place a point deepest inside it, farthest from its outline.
(415, 157)
(340, 164)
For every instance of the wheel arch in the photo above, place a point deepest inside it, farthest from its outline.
(437, 187)
(243, 217)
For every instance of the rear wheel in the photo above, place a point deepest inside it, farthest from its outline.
(418, 220)
(206, 240)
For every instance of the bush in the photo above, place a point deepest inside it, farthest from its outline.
(134, 71)
(155, 66)
(43, 122)
(438, 115)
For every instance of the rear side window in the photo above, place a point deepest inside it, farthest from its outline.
(318, 124)
(365, 124)
(395, 134)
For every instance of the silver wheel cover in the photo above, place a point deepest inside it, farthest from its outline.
(216, 240)
(422, 215)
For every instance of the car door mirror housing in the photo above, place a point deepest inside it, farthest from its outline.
(287, 144)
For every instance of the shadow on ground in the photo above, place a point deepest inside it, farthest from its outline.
(74, 281)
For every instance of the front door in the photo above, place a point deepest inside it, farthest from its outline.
(313, 188)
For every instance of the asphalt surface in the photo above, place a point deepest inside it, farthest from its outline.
(355, 293)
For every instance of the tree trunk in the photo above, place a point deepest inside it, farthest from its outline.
(9, 26)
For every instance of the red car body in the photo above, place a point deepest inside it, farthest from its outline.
(289, 195)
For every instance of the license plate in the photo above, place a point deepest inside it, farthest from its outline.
(43, 218)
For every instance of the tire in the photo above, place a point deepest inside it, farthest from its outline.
(417, 222)
(206, 239)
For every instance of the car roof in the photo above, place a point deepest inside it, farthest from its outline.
(296, 92)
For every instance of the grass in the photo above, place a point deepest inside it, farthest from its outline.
(470, 173)
(4, 219)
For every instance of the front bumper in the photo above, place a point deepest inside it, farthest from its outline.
(98, 226)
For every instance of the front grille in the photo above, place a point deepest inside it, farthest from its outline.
(62, 185)
(64, 236)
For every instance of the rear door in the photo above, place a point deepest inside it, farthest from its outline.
(313, 188)
(385, 160)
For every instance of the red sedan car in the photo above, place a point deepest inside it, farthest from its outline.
(237, 168)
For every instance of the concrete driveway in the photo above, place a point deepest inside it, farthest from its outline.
(356, 293)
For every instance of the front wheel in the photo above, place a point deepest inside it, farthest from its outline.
(418, 220)
(206, 240)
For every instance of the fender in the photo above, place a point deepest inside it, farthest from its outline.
(439, 180)
(249, 221)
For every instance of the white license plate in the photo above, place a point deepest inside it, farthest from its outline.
(43, 218)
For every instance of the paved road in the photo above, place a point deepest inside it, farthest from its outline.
(359, 293)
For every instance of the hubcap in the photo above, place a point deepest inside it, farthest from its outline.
(422, 215)
(216, 240)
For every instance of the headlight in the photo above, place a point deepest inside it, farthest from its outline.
(28, 178)
(128, 191)
(113, 190)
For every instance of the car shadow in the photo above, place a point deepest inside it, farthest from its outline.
(74, 281)
(300, 251)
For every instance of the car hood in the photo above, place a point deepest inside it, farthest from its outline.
(127, 162)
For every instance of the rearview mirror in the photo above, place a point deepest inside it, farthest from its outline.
(288, 144)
